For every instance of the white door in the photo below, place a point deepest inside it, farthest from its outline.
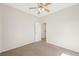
(37, 31)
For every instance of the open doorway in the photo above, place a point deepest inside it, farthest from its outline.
(43, 31)
(40, 31)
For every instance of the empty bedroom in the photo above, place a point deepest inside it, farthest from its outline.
(39, 29)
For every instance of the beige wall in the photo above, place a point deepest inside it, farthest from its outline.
(0, 27)
(18, 28)
(63, 28)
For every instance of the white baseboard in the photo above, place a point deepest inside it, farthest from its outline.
(4, 50)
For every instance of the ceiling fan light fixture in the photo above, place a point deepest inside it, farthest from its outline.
(41, 7)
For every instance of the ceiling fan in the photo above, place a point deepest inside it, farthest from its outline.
(41, 7)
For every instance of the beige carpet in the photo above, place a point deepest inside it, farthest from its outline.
(40, 48)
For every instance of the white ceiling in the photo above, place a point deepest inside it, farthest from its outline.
(54, 7)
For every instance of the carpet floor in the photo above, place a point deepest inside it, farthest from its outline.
(40, 48)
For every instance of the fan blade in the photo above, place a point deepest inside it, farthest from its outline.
(47, 4)
(46, 10)
(38, 5)
(33, 8)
